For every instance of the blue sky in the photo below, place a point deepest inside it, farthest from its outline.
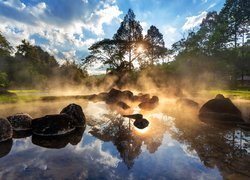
(66, 28)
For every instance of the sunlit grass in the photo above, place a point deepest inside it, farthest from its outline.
(243, 94)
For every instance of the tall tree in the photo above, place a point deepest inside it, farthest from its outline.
(155, 46)
(5, 48)
(129, 31)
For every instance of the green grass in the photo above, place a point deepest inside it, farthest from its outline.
(15, 99)
(242, 94)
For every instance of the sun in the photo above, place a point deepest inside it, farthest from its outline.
(140, 49)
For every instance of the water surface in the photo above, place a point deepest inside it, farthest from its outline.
(172, 147)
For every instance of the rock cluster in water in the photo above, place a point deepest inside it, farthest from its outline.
(122, 99)
(20, 125)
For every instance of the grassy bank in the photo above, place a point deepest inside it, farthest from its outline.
(242, 94)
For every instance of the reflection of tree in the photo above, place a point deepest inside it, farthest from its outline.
(127, 140)
(119, 133)
(225, 148)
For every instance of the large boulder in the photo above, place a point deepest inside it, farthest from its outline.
(20, 121)
(6, 131)
(220, 109)
(75, 111)
(52, 125)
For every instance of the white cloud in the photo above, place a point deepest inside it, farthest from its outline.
(211, 6)
(145, 27)
(194, 21)
(171, 35)
(62, 27)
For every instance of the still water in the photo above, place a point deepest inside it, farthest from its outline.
(172, 147)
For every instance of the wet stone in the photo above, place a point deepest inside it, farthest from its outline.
(6, 131)
(53, 125)
(75, 111)
(20, 121)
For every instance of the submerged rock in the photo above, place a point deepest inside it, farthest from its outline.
(185, 102)
(52, 125)
(122, 105)
(150, 104)
(75, 111)
(220, 109)
(141, 123)
(6, 131)
(20, 121)
(5, 147)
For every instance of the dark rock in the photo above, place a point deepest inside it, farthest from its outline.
(52, 125)
(51, 142)
(20, 121)
(219, 96)
(127, 95)
(5, 147)
(142, 98)
(141, 123)
(122, 105)
(58, 142)
(21, 134)
(221, 109)
(185, 102)
(150, 104)
(6, 131)
(134, 116)
(75, 111)
(76, 135)
(113, 96)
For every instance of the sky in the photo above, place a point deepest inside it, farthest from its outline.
(66, 28)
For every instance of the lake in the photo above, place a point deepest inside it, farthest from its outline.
(173, 146)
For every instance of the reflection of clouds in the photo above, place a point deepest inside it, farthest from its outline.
(95, 152)
(81, 161)
(21, 145)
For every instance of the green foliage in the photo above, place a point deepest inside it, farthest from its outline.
(3, 80)
(219, 47)
(5, 48)
(33, 67)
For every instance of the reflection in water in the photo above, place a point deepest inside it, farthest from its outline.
(21, 134)
(128, 140)
(227, 148)
(58, 142)
(180, 148)
(5, 147)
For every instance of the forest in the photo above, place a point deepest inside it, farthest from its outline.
(214, 55)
